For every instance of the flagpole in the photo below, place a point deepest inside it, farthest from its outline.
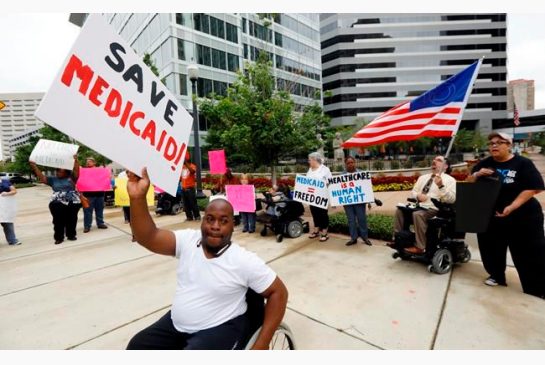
(468, 92)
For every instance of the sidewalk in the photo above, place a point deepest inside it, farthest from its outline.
(97, 292)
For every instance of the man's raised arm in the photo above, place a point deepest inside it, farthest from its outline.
(143, 228)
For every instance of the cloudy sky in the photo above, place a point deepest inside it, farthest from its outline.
(34, 46)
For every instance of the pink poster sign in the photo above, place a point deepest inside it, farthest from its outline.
(94, 179)
(217, 162)
(242, 197)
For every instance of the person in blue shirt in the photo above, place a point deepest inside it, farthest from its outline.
(357, 218)
(65, 202)
(7, 217)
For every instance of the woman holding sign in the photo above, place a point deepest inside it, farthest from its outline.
(320, 217)
(65, 202)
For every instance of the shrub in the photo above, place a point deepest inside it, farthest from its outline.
(394, 165)
(202, 203)
(408, 164)
(380, 226)
(287, 169)
(262, 169)
(301, 168)
(378, 165)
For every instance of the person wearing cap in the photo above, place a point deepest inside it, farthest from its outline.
(188, 190)
(96, 204)
(518, 219)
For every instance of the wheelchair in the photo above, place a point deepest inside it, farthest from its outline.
(286, 219)
(282, 338)
(444, 247)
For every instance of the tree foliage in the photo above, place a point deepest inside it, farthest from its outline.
(257, 121)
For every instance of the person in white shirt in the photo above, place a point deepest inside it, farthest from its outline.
(318, 170)
(438, 185)
(213, 276)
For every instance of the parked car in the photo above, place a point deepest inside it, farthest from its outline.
(14, 177)
(19, 180)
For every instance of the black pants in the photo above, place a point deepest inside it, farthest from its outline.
(162, 335)
(127, 214)
(190, 204)
(525, 238)
(65, 219)
(320, 217)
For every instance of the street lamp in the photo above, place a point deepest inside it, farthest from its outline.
(193, 71)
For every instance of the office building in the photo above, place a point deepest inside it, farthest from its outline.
(372, 62)
(17, 118)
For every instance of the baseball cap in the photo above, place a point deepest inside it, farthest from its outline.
(503, 136)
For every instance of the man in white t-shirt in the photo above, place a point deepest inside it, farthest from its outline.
(213, 276)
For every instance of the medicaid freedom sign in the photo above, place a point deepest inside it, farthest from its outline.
(311, 191)
(348, 189)
(108, 99)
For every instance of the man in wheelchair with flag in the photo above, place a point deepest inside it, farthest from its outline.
(435, 185)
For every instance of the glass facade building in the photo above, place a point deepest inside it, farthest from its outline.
(372, 62)
(220, 43)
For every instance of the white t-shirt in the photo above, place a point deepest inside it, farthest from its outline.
(321, 173)
(210, 292)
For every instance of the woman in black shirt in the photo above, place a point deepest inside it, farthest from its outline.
(518, 219)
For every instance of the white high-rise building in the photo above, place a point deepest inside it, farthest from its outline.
(219, 43)
(372, 62)
(17, 118)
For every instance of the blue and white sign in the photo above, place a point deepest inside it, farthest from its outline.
(311, 191)
(348, 189)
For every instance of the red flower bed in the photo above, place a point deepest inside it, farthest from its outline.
(265, 182)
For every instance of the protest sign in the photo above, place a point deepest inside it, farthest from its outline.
(311, 191)
(108, 99)
(94, 179)
(217, 162)
(54, 154)
(348, 189)
(121, 196)
(8, 209)
(242, 197)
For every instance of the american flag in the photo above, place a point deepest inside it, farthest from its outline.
(516, 118)
(436, 113)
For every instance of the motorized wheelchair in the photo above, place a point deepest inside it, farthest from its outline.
(282, 217)
(282, 338)
(444, 245)
(168, 204)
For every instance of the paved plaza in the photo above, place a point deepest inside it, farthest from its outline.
(96, 292)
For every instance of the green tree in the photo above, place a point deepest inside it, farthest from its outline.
(258, 121)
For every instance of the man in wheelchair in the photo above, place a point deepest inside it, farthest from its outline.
(435, 185)
(214, 275)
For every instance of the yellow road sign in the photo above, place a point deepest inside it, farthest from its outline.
(2, 105)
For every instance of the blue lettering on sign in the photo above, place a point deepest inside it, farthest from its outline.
(310, 182)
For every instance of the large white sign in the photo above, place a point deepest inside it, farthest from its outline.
(311, 191)
(54, 154)
(107, 98)
(8, 209)
(348, 189)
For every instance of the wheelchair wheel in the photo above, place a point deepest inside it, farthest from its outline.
(295, 229)
(282, 339)
(466, 257)
(441, 261)
(279, 237)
